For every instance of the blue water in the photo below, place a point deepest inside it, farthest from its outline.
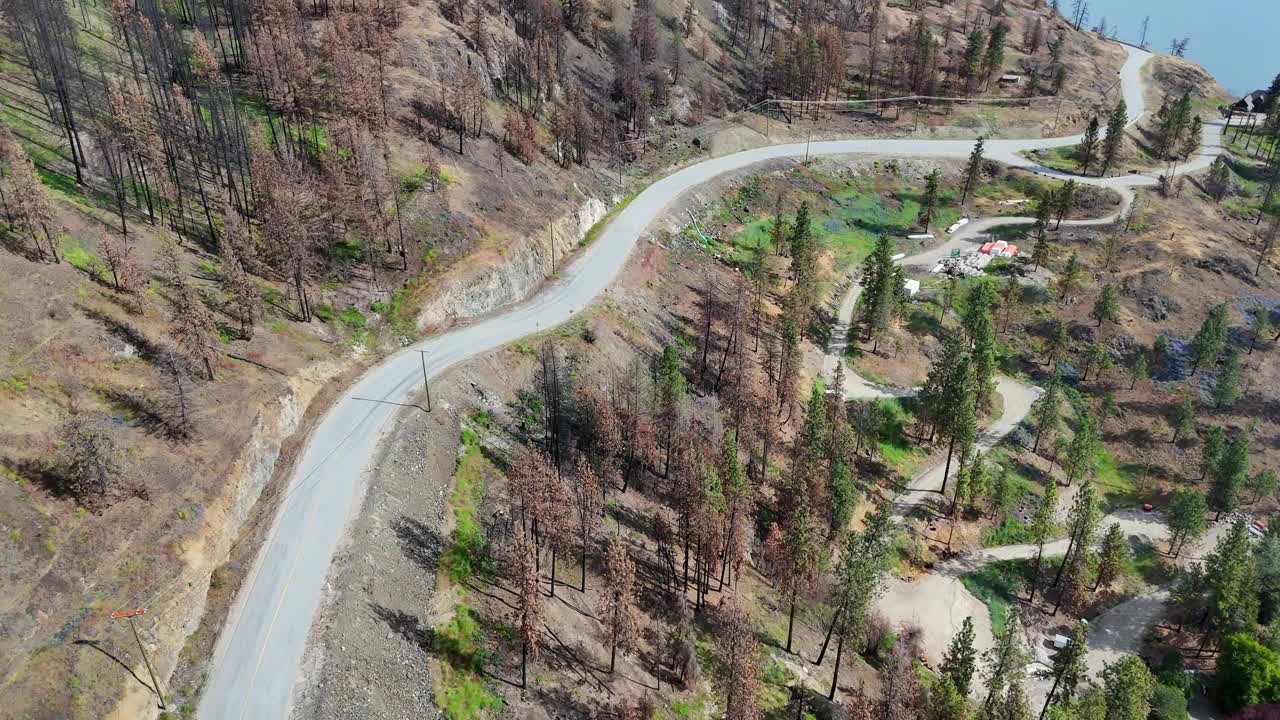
(1234, 39)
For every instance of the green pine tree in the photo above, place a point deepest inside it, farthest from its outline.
(973, 170)
(1211, 338)
(1128, 686)
(1262, 330)
(1186, 518)
(930, 198)
(1070, 278)
(1230, 472)
(1068, 668)
(1139, 371)
(961, 660)
(1082, 452)
(1113, 142)
(979, 323)
(1006, 663)
(1048, 410)
(1107, 306)
(1111, 560)
(1184, 417)
(1044, 522)
(1226, 389)
(1087, 150)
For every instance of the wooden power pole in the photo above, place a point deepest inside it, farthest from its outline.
(130, 615)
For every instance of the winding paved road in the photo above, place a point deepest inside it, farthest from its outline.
(257, 658)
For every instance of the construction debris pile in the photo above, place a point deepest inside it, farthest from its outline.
(974, 262)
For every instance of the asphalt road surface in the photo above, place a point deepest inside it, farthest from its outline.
(257, 658)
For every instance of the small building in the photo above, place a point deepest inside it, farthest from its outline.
(1010, 79)
(911, 286)
(1254, 102)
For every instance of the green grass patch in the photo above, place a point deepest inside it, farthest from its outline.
(1012, 532)
(1117, 484)
(463, 694)
(896, 447)
(465, 555)
(1147, 564)
(996, 585)
(80, 258)
(17, 384)
(595, 230)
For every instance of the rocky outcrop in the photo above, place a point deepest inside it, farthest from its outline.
(519, 270)
(182, 608)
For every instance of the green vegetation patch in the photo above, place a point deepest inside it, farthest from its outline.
(462, 693)
(996, 585)
(595, 230)
(1117, 483)
(465, 555)
(896, 447)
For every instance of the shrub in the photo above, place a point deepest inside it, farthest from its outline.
(1248, 673)
(1168, 703)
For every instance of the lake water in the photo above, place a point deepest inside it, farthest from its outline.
(1234, 39)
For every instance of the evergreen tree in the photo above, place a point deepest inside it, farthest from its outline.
(1262, 330)
(1230, 473)
(1219, 183)
(1001, 494)
(971, 65)
(1211, 338)
(979, 323)
(930, 199)
(957, 408)
(881, 300)
(1113, 142)
(946, 702)
(1215, 441)
(1184, 417)
(1107, 307)
(1128, 686)
(1087, 150)
(993, 59)
(1065, 200)
(1082, 523)
(1057, 343)
(1139, 371)
(1048, 409)
(1226, 389)
(1107, 408)
(1095, 355)
(1006, 663)
(1262, 485)
(961, 660)
(1070, 277)
(861, 577)
(670, 389)
(1191, 143)
(1068, 668)
(1231, 583)
(1082, 453)
(973, 170)
(1186, 518)
(778, 228)
(1043, 524)
(1115, 551)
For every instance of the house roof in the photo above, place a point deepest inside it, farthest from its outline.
(1251, 102)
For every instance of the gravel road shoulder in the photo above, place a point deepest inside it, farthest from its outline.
(367, 651)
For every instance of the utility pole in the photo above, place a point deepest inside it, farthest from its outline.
(422, 355)
(807, 140)
(130, 615)
(1146, 23)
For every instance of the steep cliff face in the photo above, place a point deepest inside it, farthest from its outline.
(516, 274)
(183, 609)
